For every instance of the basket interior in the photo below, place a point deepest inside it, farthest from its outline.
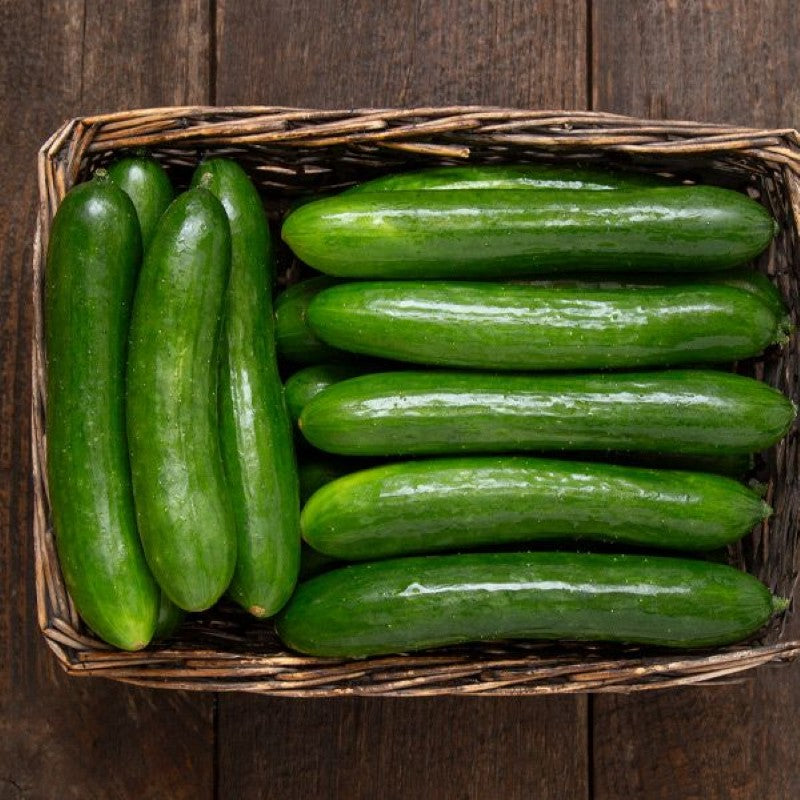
(285, 172)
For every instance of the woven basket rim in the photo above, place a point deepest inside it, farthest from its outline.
(422, 132)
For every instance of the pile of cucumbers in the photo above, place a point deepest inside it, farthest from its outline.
(494, 369)
(171, 468)
(474, 405)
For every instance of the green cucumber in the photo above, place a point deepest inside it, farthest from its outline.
(675, 411)
(310, 381)
(497, 233)
(746, 279)
(547, 177)
(255, 430)
(146, 182)
(293, 338)
(185, 517)
(513, 327)
(463, 503)
(408, 604)
(92, 261)
(170, 618)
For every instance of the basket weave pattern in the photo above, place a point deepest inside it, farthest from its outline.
(288, 151)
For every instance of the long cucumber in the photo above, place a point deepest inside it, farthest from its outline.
(496, 233)
(182, 505)
(92, 262)
(406, 604)
(514, 327)
(462, 503)
(255, 431)
(674, 411)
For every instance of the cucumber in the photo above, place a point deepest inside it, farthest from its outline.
(255, 431)
(746, 279)
(416, 603)
(497, 233)
(92, 261)
(170, 618)
(185, 518)
(146, 182)
(463, 503)
(310, 381)
(513, 327)
(293, 338)
(675, 411)
(509, 176)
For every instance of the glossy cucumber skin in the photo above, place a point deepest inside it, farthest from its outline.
(294, 340)
(494, 233)
(147, 184)
(310, 381)
(513, 327)
(674, 411)
(415, 603)
(255, 431)
(92, 261)
(182, 505)
(543, 177)
(747, 279)
(462, 503)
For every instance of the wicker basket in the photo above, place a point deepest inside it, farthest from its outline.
(289, 151)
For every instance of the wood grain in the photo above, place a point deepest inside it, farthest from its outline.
(719, 61)
(346, 53)
(61, 737)
(723, 743)
(732, 61)
(395, 749)
(369, 53)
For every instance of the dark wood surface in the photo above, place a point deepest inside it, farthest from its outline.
(61, 738)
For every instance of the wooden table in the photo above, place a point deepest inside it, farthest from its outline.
(715, 60)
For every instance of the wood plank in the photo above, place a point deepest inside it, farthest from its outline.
(721, 743)
(369, 53)
(421, 748)
(329, 53)
(68, 737)
(731, 61)
(728, 62)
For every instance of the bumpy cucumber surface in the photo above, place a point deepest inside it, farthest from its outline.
(182, 503)
(495, 233)
(146, 182)
(746, 278)
(462, 503)
(514, 327)
(92, 261)
(255, 430)
(674, 411)
(408, 604)
(294, 340)
(509, 176)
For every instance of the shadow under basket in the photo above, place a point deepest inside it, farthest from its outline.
(291, 152)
